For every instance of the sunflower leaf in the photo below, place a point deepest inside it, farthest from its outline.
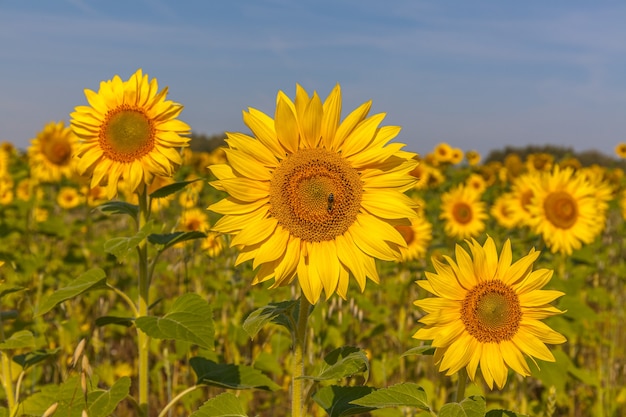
(504, 413)
(8, 289)
(123, 321)
(341, 363)
(121, 247)
(105, 403)
(337, 400)
(189, 319)
(420, 350)
(231, 376)
(283, 313)
(28, 359)
(401, 395)
(170, 239)
(91, 279)
(119, 207)
(18, 340)
(170, 189)
(224, 404)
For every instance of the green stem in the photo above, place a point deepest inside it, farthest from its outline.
(143, 340)
(175, 399)
(7, 382)
(460, 390)
(298, 359)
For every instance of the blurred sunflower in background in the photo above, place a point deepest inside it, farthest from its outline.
(487, 312)
(564, 210)
(50, 153)
(620, 149)
(314, 197)
(129, 131)
(463, 213)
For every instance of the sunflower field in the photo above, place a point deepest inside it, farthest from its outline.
(312, 266)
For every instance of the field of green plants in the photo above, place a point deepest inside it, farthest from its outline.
(71, 324)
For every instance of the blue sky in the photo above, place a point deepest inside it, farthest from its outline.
(476, 74)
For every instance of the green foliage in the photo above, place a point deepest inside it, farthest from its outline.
(224, 405)
(230, 375)
(94, 278)
(189, 319)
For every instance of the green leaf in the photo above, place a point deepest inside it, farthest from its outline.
(121, 247)
(223, 405)
(343, 362)
(170, 239)
(474, 406)
(504, 413)
(452, 410)
(68, 395)
(283, 313)
(18, 340)
(401, 395)
(190, 319)
(105, 402)
(8, 289)
(337, 400)
(230, 376)
(122, 321)
(119, 207)
(92, 279)
(420, 350)
(170, 189)
(28, 359)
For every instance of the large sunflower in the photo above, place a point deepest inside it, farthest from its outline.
(463, 212)
(50, 153)
(565, 210)
(487, 312)
(314, 197)
(128, 132)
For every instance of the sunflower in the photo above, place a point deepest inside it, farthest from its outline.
(473, 157)
(128, 132)
(194, 219)
(456, 157)
(565, 211)
(463, 212)
(522, 193)
(487, 312)
(417, 236)
(442, 153)
(313, 197)
(502, 212)
(620, 149)
(213, 244)
(69, 198)
(476, 182)
(50, 153)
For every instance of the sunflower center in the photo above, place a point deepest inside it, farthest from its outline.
(407, 233)
(315, 194)
(127, 134)
(491, 312)
(58, 152)
(462, 213)
(561, 209)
